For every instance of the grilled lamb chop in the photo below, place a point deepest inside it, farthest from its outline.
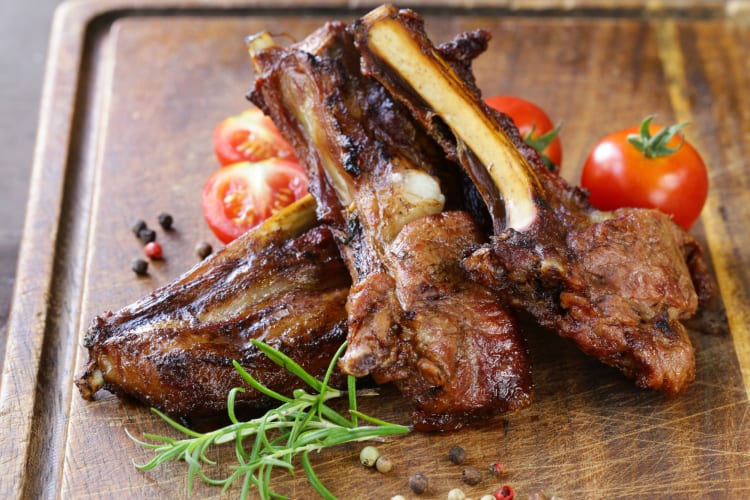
(615, 283)
(381, 183)
(283, 283)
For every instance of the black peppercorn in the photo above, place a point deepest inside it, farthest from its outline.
(457, 455)
(146, 235)
(203, 249)
(139, 266)
(418, 483)
(165, 221)
(138, 226)
(471, 476)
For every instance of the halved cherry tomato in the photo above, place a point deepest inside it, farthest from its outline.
(535, 127)
(648, 167)
(240, 196)
(249, 136)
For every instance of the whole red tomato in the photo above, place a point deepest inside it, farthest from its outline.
(535, 127)
(647, 167)
(240, 196)
(249, 136)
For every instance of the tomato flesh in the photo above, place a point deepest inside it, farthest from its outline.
(249, 136)
(240, 196)
(529, 119)
(617, 174)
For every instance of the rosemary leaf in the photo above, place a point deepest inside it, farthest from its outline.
(176, 425)
(288, 363)
(314, 481)
(351, 387)
(257, 385)
(230, 404)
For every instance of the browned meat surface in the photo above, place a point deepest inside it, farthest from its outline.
(283, 283)
(375, 172)
(617, 284)
(618, 289)
(464, 357)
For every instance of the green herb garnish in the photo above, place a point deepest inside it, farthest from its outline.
(302, 424)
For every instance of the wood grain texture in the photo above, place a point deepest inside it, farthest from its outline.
(126, 75)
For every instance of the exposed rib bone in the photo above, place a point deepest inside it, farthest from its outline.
(427, 73)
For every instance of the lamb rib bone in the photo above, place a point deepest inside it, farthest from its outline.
(616, 283)
(283, 283)
(390, 42)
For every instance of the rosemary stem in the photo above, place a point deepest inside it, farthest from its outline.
(301, 425)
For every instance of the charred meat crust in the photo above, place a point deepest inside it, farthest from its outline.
(174, 348)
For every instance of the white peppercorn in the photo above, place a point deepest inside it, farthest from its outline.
(383, 464)
(368, 456)
(456, 494)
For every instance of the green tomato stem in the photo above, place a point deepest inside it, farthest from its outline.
(656, 146)
(540, 144)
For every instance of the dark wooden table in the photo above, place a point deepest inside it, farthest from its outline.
(24, 34)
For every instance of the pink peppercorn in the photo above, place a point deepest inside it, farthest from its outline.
(504, 493)
(153, 250)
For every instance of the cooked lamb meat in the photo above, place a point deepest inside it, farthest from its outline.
(615, 283)
(378, 177)
(283, 283)
(475, 360)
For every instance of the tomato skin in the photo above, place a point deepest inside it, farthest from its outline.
(527, 116)
(249, 136)
(240, 196)
(617, 174)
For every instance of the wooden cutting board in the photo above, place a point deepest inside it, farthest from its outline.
(133, 91)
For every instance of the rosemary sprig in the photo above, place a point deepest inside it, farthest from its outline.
(302, 424)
